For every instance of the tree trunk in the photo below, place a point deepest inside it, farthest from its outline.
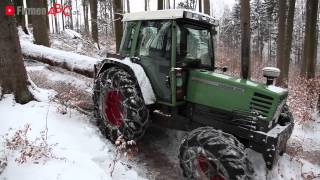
(85, 15)
(39, 23)
(71, 15)
(117, 10)
(146, 5)
(20, 18)
(310, 40)
(168, 4)
(47, 17)
(29, 16)
(62, 15)
(128, 6)
(288, 42)
(206, 6)
(13, 75)
(94, 24)
(77, 17)
(160, 4)
(55, 18)
(200, 5)
(245, 38)
(111, 16)
(281, 38)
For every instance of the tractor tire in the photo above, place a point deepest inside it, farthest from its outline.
(119, 106)
(285, 116)
(206, 153)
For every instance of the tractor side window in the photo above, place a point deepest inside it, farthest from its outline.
(155, 39)
(127, 39)
(193, 44)
(154, 50)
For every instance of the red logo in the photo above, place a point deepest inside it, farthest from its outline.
(9, 10)
(58, 8)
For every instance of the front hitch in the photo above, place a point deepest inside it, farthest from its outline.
(272, 143)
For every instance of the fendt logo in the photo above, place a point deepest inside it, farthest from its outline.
(54, 10)
(9, 10)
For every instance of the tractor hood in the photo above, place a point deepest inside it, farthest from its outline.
(232, 94)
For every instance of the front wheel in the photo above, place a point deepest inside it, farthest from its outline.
(209, 154)
(120, 107)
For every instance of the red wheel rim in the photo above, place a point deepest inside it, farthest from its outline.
(112, 108)
(203, 164)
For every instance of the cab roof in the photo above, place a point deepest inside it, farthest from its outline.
(169, 14)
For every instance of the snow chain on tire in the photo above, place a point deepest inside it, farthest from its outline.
(225, 154)
(135, 114)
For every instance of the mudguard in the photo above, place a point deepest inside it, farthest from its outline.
(134, 69)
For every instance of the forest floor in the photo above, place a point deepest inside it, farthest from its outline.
(73, 148)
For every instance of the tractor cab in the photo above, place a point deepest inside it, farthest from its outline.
(163, 42)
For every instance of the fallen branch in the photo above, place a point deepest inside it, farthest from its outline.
(77, 63)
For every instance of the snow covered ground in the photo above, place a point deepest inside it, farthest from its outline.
(84, 153)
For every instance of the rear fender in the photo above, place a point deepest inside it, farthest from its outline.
(133, 69)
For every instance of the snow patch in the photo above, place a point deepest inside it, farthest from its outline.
(72, 34)
(87, 154)
(40, 94)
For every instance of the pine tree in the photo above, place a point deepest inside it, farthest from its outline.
(270, 19)
(226, 28)
(236, 30)
(258, 27)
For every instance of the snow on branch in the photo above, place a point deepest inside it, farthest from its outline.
(71, 61)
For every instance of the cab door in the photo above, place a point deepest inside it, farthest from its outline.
(154, 50)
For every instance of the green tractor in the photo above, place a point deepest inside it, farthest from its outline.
(165, 72)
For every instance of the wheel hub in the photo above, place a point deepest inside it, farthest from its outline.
(112, 108)
(208, 168)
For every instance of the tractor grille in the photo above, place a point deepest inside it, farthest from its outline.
(261, 103)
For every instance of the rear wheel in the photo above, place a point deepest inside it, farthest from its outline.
(120, 107)
(213, 155)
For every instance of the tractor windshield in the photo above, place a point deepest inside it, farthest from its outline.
(194, 43)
